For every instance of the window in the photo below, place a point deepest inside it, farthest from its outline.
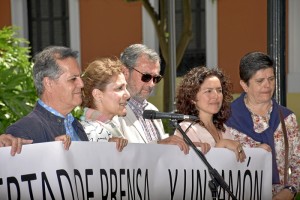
(48, 23)
(195, 54)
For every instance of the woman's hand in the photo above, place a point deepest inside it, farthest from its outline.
(284, 194)
(120, 142)
(205, 147)
(265, 147)
(66, 140)
(234, 146)
(176, 140)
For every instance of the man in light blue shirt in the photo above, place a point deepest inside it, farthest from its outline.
(56, 75)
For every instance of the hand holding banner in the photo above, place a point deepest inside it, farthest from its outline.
(140, 171)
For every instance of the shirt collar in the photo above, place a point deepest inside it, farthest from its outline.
(69, 116)
(134, 104)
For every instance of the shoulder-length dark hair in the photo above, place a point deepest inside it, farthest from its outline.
(189, 87)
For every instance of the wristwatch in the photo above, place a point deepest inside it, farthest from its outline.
(292, 189)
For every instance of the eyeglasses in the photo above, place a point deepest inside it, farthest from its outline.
(147, 77)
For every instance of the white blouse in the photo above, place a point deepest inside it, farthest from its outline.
(96, 131)
(197, 133)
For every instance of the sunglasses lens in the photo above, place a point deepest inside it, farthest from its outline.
(146, 77)
(157, 79)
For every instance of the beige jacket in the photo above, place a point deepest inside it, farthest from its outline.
(132, 129)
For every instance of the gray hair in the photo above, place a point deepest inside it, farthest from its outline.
(130, 55)
(45, 64)
(253, 62)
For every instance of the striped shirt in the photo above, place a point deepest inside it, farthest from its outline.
(148, 126)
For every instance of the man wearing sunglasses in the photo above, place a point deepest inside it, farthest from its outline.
(142, 73)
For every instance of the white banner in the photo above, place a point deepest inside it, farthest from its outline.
(91, 170)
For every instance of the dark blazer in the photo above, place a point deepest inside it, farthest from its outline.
(42, 126)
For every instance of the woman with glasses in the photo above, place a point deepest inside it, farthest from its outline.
(104, 96)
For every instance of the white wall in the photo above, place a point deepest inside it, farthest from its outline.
(293, 78)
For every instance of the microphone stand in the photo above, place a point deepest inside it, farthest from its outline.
(216, 178)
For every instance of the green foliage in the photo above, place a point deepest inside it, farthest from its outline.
(77, 112)
(17, 91)
(168, 126)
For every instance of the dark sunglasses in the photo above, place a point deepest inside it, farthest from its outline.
(147, 77)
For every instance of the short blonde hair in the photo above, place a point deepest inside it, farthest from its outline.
(98, 75)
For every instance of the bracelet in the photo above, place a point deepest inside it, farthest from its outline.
(292, 189)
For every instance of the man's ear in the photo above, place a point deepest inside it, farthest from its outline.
(244, 85)
(47, 82)
(125, 72)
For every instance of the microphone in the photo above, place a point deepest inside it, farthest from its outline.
(152, 114)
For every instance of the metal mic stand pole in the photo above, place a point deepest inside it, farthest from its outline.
(216, 178)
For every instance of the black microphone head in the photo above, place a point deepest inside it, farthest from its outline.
(149, 114)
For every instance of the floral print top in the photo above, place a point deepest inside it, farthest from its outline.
(260, 124)
(98, 127)
(96, 131)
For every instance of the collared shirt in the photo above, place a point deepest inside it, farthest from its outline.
(148, 126)
(260, 123)
(67, 121)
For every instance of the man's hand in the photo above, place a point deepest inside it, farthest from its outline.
(66, 140)
(175, 140)
(120, 142)
(15, 143)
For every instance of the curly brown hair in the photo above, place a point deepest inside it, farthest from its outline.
(98, 75)
(189, 87)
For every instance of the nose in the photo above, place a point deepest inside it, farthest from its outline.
(127, 94)
(267, 83)
(80, 82)
(151, 83)
(214, 93)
